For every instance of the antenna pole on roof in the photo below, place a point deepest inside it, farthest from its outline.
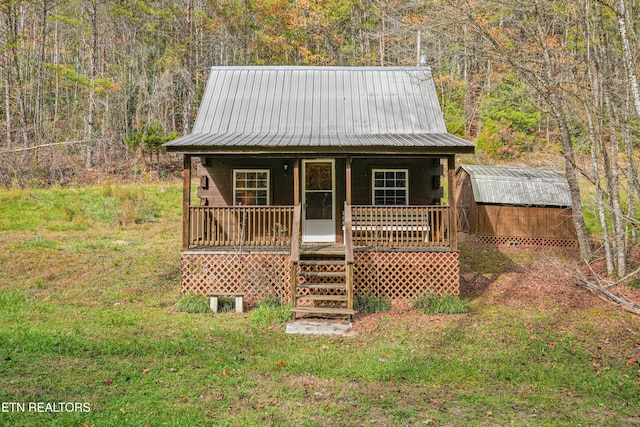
(418, 48)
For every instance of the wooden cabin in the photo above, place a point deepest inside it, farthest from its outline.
(509, 205)
(317, 183)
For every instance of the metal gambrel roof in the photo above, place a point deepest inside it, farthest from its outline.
(518, 186)
(312, 108)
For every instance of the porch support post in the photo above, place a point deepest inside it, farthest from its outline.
(453, 220)
(296, 182)
(186, 200)
(348, 181)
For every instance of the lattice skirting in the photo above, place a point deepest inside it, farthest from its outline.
(397, 276)
(528, 241)
(402, 276)
(259, 274)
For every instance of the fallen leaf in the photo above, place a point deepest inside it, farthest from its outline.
(145, 371)
(108, 382)
(596, 364)
(632, 361)
(280, 363)
(224, 372)
(185, 399)
(552, 345)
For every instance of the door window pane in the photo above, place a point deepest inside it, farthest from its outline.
(318, 176)
(319, 205)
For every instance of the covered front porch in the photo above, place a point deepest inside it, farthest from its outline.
(325, 194)
(396, 252)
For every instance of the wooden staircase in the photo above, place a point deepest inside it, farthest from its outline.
(322, 285)
(322, 276)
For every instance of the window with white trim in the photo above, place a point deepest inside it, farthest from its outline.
(251, 187)
(390, 187)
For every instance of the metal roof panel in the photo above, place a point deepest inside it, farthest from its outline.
(319, 106)
(518, 186)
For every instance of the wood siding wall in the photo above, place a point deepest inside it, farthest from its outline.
(522, 221)
(421, 179)
(464, 198)
(216, 180)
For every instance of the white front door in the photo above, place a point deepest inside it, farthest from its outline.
(318, 201)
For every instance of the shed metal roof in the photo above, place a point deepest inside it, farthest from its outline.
(518, 186)
(319, 108)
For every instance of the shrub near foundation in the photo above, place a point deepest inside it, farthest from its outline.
(366, 303)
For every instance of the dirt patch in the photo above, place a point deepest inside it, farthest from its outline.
(523, 276)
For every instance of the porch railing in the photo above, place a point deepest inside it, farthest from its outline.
(240, 225)
(401, 226)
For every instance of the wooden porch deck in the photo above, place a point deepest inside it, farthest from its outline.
(319, 250)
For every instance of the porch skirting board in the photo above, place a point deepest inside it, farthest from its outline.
(403, 276)
(398, 276)
(258, 274)
(528, 241)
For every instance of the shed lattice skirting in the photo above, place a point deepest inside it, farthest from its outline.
(397, 276)
(528, 241)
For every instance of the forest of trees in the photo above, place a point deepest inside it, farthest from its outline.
(93, 87)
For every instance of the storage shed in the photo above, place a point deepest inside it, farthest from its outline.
(509, 205)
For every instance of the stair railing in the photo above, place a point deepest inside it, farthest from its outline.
(348, 253)
(295, 252)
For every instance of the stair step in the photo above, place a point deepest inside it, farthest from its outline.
(323, 297)
(324, 310)
(323, 273)
(321, 262)
(322, 285)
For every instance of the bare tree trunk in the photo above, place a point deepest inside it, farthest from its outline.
(13, 37)
(57, 77)
(7, 102)
(613, 183)
(93, 58)
(38, 113)
(595, 143)
(628, 57)
(584, 241)
(632, 180)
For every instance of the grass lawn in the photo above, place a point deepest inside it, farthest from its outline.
(89, 279)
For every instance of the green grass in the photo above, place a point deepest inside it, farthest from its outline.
(88, 314)
(440, 304)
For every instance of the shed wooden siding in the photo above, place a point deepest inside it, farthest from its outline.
(522, 221)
